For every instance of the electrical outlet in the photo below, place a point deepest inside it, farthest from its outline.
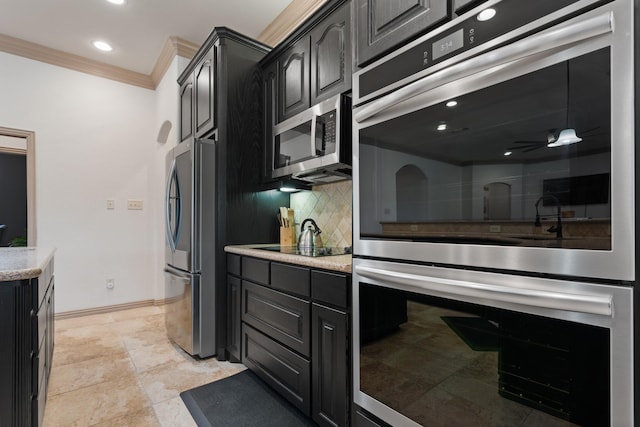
(494, 228)
(111, 204)
(110, 283)
(134, 205)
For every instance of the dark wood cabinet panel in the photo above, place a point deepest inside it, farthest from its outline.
(205, 94)
(330, 372)
(281, 316)
(186, 109)
(26, 350)
(290, 278)
(331, 55)
(383, 24)
(293, 80)
(281, 368)
(234, 308)
(295, 335)
(256, 270)
(330, 288)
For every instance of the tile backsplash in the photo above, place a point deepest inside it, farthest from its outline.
(330, 206)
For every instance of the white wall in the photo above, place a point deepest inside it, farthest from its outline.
(95, 140)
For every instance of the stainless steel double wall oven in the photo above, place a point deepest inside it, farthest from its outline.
(494, 220)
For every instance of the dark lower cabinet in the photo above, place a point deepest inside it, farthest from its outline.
(283, 369)
(330, 373)
(294, 324)
(26, 348)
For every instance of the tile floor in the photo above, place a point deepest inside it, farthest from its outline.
(119, 369)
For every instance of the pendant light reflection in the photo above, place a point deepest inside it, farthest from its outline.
(568, 135)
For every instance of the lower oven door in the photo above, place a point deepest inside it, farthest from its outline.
(444, 347)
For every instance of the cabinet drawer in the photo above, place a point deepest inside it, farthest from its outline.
(233, 264)
(285, 371)
(330, 288)
(282, 317)
(290, 278)
(256, 270)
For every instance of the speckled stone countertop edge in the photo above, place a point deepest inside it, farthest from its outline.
(23, 262)
(341, 263)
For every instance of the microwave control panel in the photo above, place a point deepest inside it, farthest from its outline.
(326, 127)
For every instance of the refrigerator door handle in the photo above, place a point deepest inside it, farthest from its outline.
(171, 236)
(182, 275)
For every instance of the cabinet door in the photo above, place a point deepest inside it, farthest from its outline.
(186, 109)
(205, 91)
(330, 370)
(331, 55)
(270, 102)
(384, 24)
(293, 80)
(233, 320)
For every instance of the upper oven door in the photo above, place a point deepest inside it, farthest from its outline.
(520, 158)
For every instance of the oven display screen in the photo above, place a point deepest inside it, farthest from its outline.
(448, 45)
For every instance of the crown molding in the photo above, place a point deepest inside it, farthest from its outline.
(59, 58)
(288, 20)
(174, 46)
(292, 16)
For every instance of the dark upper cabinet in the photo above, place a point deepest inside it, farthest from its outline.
(313, 64)
(205, 94)
(293, 72)
(331, 55)
(384, 24)
(186, 109)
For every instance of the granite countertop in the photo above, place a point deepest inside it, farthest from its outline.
(23, 263)
(340, 263)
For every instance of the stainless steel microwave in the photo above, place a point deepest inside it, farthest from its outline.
(315, 145)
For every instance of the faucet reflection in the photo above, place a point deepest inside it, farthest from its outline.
(555, 228)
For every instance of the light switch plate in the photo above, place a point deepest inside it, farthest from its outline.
(111, 204)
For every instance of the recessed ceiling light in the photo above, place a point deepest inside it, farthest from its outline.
(451, 104)
(442, 126)
(486, 14)
(103, 46)
(508, 153)
(117, 1)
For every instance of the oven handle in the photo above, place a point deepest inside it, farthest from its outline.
(543, 41)
(590, 304)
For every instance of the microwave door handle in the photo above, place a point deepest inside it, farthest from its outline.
(552, 39)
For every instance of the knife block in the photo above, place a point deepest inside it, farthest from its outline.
(287, 236)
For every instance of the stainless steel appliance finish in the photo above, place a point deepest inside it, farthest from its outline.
(311, 145)
(470, 203)
(190, 251)
(448, 377)
(399, 129)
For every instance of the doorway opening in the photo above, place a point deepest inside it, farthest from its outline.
(15, 143)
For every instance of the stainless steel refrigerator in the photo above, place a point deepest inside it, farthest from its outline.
(190, 270)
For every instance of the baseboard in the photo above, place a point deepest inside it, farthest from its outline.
(108, 309)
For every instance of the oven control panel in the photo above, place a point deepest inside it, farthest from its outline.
(466, 32)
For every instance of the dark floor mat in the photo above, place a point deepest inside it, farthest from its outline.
(478, 333)
(242, 400)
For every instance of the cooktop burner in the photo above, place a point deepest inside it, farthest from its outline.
(317, 252)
